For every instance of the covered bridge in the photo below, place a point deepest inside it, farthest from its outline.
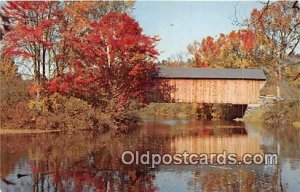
(207, 85)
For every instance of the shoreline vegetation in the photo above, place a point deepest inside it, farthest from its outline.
(276, 114)
(282, 112)
(4, 131)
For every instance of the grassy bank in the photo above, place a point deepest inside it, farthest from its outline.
(279, 113)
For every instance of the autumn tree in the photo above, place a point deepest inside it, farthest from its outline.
(279, 23)
(233, 50)
(82, 54)
(35, 33)
(31, 35)
(111, 64)
(77, 20)
(102, 8)
(177, 60)
(270, 37)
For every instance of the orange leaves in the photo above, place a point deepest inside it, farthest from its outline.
(279, 21)
(272, 33)
(78, 13)
(242, 39)
(247, 38)
(224, 50)
(276, 27)
(203, 65)
(208, 45)
(35, 88)
(58, 85)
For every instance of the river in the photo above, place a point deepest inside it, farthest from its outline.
(87, 161)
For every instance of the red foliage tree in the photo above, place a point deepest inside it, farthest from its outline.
(32, 34)
(112, 63)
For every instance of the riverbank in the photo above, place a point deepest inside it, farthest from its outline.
(275, 113)
(282, 112)
(4, 131)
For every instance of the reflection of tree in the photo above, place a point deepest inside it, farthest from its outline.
(60, 161)
(236, 179)
(287, 139)
(11, 151)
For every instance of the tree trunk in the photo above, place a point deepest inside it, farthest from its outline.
(44, 64)
(279, 79)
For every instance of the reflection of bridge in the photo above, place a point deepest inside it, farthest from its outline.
(204, 85)
(238, 144)
(232, 139)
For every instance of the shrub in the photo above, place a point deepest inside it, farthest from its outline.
(70, 113)
(61, 112)
(204, 112)
(13, 98)
(16, 116)
(283, 112)
(124, 122)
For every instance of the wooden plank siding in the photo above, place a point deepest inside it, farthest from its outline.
(234, 91)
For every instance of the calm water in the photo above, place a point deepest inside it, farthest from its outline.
(91, 162)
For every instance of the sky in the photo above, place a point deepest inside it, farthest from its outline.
(179, 23)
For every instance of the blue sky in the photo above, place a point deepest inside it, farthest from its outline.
(178, 23)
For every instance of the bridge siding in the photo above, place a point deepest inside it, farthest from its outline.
(235, 91)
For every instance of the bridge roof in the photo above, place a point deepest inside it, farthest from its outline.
(210, 73)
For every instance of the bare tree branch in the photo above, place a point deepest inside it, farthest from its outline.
(243, 24)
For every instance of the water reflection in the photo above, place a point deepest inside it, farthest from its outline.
(86, 161)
